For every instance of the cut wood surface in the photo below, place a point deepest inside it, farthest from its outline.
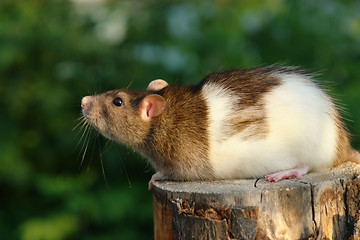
(322, 205)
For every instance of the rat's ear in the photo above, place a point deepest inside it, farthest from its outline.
(151, 106)
(157, 85)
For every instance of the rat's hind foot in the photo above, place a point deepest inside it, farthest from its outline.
(297, 172)
(156, 177)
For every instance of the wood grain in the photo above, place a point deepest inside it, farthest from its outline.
(322, 205)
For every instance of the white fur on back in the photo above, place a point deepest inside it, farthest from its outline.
(220, 105)
(300, 120)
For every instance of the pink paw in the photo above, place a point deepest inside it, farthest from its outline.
(156, 177)
(297, 172)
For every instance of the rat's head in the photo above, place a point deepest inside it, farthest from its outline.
(123, 115)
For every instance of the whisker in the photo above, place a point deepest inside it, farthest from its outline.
(107, 146)
(132, 81)
(80, 117)
(92, 152)
(84, 147)
(82, 123)
(123, 167)
(84, 134)
(86, 129)
(86, 142)
(102, 168)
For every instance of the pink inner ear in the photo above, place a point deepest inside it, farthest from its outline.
(148, 109)
(152, 106)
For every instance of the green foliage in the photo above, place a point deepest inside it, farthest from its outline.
(54, 52)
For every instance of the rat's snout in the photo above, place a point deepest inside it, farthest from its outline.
(85, 102)
(86, 105)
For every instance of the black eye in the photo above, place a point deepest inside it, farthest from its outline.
(118, 102)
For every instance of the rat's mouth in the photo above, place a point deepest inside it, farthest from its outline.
(98, 125)
(90, 120)
(86, 117)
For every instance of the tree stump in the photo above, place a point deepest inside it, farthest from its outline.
(322, 205)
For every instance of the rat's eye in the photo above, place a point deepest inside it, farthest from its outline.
(118, 102)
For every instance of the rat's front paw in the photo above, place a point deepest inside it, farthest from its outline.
(156, 177)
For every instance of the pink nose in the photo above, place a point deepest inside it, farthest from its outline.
(84, 102)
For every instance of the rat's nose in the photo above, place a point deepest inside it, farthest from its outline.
(84, 102)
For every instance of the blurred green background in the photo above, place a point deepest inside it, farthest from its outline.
(54, 52)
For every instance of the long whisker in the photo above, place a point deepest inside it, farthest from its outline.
(123, 167)
(132, 81)
(82, 122)
(102, 168)
(86, 144)
(85, 134)
(83, 129)
(92, 152)
(86, 130)
(85, 138)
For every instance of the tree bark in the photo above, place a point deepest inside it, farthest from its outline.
(322, 205)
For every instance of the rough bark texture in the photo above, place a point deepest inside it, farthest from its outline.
(323, 205)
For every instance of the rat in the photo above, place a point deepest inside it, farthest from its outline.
(271, 122)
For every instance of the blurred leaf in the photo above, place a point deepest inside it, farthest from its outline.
(59, 226)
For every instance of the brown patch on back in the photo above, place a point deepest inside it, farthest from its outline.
(248, 87)
(251, 122)
(250, 84)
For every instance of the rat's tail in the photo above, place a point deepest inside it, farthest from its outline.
(354, 156)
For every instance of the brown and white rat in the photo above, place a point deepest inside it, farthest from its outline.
(268, 121)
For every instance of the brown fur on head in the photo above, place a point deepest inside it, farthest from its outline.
(122, 115)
